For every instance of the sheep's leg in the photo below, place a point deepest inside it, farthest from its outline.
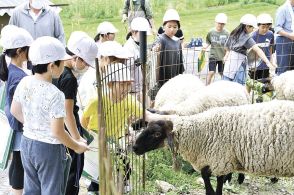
(241, 178)
(228, 177)
(220, 183)
(206, 174)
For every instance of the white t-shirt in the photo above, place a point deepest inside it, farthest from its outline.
(41, 101)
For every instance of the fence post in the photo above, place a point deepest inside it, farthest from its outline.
(143, 57)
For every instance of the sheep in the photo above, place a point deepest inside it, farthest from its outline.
(254, 138)
(283, 85)
(177, 90)
(217, 94)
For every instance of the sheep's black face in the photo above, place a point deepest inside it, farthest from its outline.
(152, 137)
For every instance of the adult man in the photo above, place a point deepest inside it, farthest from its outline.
(38, 19)
(138, 8)
(285, 36)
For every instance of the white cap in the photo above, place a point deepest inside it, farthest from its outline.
(13, 37)
(118, 72)
(38, 4)
(46, 50)
(83, 46)
(221, 18)
(8, 29)
(264, 19)
(249, 19)
(141, 24)
(171, 14)
(113, 48)
(106, 27)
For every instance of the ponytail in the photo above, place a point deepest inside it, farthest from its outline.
(12, 53)
(3, 68)
(97, 37)
(235, 34)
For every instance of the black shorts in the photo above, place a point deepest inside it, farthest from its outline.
(16, 172)
(258, 74)
(213, 63)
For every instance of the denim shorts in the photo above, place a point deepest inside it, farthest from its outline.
(44, 165)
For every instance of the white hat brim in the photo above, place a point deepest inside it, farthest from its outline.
(66, 57)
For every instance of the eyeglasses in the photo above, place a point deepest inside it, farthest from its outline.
(250, 26)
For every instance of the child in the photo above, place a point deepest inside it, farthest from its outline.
(133, 46)
(216, 38)
(237, 45)
(265, 40)
(105, 32)
(119, 106)
(15, 42)
(39, 105)
(84, 51)
(170, 57)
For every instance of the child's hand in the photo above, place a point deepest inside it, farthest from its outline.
(156, 48)
(82, 148)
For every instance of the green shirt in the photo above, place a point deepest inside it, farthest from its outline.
(217, 41)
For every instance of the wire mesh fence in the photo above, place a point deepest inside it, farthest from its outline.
(122, 99)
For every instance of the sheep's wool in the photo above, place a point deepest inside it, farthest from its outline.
(283, 86)
(256, 139)
(218, 94)
(177, 90)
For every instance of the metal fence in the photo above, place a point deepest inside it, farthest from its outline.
(118, 111)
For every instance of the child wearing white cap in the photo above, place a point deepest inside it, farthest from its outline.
(15, 42)
(236, 47)
(170, 56)
(84, 51)
(39, 105)
(132, 45)
(121, 109)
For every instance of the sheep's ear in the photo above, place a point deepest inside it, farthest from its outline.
(169, 126)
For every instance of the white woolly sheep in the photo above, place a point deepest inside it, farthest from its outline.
(256, 139)
(283, 86)
(177, 90)
(217, 94)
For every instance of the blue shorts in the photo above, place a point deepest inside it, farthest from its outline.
(44, 165)
(213, 63)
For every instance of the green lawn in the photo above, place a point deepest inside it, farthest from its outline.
(195, 22)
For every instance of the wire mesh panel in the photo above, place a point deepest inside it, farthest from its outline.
(122, 106)
(121, 86)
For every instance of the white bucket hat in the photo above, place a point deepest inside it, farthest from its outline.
(118, 72)
(264, 19)
(141, 24)
(221, 18)
(113, 48)
(13, 37)
(106, 27)
(171, 14)
(46, 50)
(83, 46)
(249, 19)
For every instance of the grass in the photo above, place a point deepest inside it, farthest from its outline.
(196, 19)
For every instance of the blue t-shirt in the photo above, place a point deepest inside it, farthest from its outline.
(15, 74)
(265, 42)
